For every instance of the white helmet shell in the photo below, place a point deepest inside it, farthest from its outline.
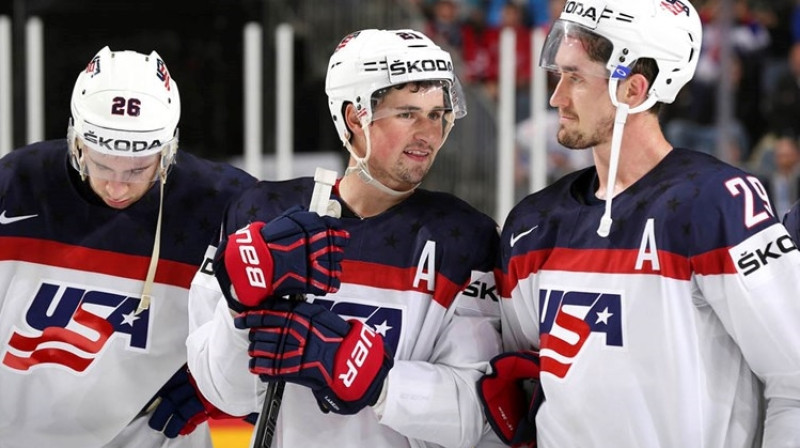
(668, 31)
(126, 104)
(369, 60)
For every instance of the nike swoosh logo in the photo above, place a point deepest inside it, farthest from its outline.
(11, 219)
(515, 238)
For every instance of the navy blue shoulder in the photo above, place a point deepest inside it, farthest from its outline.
(266, 200)
(38, 180)
(792, 222)
(697, 202)
(465, 237)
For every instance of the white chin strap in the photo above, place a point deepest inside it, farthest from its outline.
(362, 169)
(613, 162)
(623, 110)
(144, 303)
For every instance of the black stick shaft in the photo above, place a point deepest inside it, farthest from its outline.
(268, 419)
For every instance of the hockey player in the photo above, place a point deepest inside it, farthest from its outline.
(382, 354)
(95, 278)
(655, 294)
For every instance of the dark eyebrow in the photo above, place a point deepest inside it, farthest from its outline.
(100, 165)
(416, 108)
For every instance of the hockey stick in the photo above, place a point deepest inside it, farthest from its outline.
(322, 205)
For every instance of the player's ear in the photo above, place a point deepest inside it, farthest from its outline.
(351, 119)
(634, 90)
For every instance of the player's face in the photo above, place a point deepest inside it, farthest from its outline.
(120, 181)
(407, 131)
(585, 112)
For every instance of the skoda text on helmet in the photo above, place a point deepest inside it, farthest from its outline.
(367, 61)
(124, 104)
(616, 34)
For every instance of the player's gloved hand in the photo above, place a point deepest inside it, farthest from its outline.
(297, 252)
(343, 362)
(181, 407)
(508, 407)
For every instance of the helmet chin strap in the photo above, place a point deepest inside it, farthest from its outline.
(144, 303)
(163, 170)
(362, 169)
(613, 162)
(623, 110)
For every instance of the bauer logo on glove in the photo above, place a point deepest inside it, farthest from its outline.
(344, 363)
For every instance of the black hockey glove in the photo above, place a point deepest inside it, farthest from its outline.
(343, 362)
(506, 404)
(298, 252)
(181, 407)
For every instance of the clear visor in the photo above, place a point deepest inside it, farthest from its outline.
(98, 165)
(572, 48)
(432, 102)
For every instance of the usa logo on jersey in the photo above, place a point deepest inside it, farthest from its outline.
(72, 325)
(388, 322)
(570, 319)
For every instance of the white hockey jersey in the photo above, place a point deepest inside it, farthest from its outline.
(672, 331)
(77, 365)
(401, 272)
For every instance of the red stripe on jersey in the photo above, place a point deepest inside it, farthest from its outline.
(47, 355)
(714, 262)
(79, 258)
(613, 261)
(398, 279)
(101, 326)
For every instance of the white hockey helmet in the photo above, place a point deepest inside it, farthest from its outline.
(367, 61)
(667, 31)
(125, 104)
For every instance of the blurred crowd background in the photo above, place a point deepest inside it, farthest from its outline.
(742, 106)
(763, 128)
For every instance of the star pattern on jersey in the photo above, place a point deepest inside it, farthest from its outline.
(390, 241)
(300, 188)
(673, 204)
(603, 316)
(389, 234)
(634, 189)
(179, 237)
(252, 212)
(272, 196)
(210, 193)
(129, 318)
(663, 187)
(382, 328)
